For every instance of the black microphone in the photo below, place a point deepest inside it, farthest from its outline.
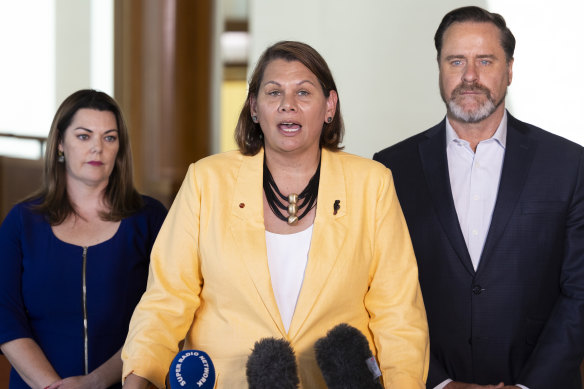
(191, 369)
(272, 365)
(345, 360)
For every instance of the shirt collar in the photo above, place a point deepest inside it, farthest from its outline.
(500, 135)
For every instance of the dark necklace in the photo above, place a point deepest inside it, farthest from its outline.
(308, 197)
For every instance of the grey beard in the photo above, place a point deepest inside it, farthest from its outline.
(475, 116)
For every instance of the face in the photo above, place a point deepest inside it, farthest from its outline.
(90, 145)
(291, 108)
(474, 73)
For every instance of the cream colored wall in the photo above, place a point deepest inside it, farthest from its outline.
(233, 95)
(383, 58)
(381, 54)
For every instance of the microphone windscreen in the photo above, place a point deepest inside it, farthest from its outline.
(191, 369)
(345, 359)
(272, 365)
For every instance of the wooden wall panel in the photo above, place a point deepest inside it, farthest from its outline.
(162, 80)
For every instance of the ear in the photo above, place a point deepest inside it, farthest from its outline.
(253, 105)
(510, 71)
(331, 105)
(60, 146)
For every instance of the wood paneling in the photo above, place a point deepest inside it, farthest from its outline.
(162, 81)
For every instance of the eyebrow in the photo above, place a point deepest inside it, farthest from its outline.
(480, 56)
(88, 130)
(298, 83)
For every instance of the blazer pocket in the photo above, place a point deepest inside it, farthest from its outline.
(534, 328)
(533, 207)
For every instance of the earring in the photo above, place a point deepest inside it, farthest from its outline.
(60, 156)
(254, 118)
(329, 119)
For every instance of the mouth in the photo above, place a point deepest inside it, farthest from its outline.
(289, 127)
(95, 163)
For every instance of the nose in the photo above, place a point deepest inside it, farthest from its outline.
(470, 74)
(287, 104)
(96, 146)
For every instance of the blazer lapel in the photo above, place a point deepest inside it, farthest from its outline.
(248, 231)
(435, 166)
(518, 157)
(328, 236)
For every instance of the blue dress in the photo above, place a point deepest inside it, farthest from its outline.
(42, 287)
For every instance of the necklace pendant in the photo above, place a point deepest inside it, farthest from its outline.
(292, 198)
(292, 220)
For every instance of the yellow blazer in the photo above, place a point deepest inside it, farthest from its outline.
(209, 281)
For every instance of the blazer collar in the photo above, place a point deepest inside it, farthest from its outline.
(329, 231)
(328, 236)
(432, 152)
(519, 153)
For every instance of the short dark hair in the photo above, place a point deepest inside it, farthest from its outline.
(478, 15)
(120, 193)
(248, 135)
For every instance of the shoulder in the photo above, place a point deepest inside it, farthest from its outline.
(549, 142)
(408, 148)
(228, 159)
(23, 214)
(354, 164)
(357, 172)
(152, 206)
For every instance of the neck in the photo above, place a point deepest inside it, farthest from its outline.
(474, 133)
(291, 174)
(87, 200)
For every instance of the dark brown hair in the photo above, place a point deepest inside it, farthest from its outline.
(120, 194)
(478, 15)
(248, 134)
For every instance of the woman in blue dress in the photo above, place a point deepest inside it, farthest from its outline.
(74, 257)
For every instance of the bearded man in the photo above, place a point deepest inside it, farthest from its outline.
(495, 209)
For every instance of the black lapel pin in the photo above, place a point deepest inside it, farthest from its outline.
(336, 206)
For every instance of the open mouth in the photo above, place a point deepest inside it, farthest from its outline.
(289, 127)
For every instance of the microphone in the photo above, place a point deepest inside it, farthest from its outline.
(191, 369)
(345, 360)
(272, 365)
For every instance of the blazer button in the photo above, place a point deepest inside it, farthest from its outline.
(477, 289)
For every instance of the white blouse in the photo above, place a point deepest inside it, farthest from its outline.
(287, 258)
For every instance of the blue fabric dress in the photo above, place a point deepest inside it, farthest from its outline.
(41, 287)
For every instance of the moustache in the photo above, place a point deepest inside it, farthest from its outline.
(475, 87)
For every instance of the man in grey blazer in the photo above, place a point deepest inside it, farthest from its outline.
(495, 209)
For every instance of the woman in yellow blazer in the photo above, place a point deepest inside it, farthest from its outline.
(215, 279)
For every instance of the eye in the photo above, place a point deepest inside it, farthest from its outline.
(82, 136)
(111, 138)
(456, 62)
(485, 62)
(303, 93)
(274, 92)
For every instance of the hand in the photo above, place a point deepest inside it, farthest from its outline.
(78, 382)
(463, 385)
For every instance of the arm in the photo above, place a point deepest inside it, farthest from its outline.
(167, 308)
(394, 301)
(560, 347)
(106, 375)
(28, 359)
(136, 382)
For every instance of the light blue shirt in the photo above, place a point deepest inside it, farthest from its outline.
(474, 181)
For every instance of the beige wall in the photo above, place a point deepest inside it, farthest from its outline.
(383, 58)
(381, 54)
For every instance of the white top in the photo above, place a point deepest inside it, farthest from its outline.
(287, 258)
(474, 180)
